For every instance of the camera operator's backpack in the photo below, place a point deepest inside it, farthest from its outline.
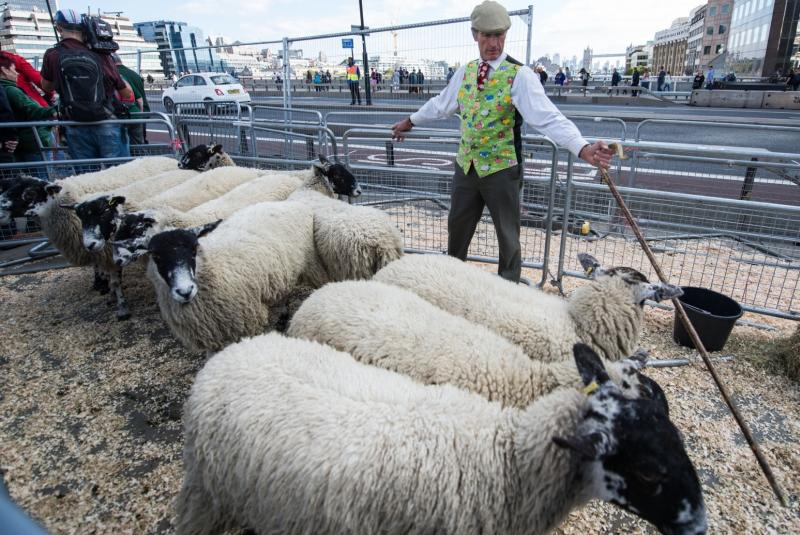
(99, 35)
(82, 95)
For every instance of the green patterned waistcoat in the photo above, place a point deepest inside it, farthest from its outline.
(489, 121)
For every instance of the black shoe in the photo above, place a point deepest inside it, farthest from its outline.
(352, 103)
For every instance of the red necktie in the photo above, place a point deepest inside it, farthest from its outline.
(483, 72)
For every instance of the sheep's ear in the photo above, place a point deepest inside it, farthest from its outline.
(215, 149)
(324, 164)
(205, 229)
(67, 206)
(116, 200)
(52, 189)
(590, 265)
(661, 291)
(589, 365)
(589, 446)
(149, 220)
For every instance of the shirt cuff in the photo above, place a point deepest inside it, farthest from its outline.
(576, 145)
(416, 118)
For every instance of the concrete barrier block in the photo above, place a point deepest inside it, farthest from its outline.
(701, 97)
(787, 100)
(728, 99)
(754, 99)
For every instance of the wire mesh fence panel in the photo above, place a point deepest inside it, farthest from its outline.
(729, 178)
(396, 57)
(749, 251)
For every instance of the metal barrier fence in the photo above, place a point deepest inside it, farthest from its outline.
(56, 165)
(749, 250)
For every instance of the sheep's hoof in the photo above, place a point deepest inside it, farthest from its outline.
(101, 285)
(123, 315)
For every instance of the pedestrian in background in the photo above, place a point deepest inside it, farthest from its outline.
(646, 80)
(710, 78)
(662, 75)
(560, 77)
(667, 81)
(420, 81)
(353, 76)
(136, 132)
(450, 73)
(584, 77)
(106, 140)
(793, 80)
(635, 82)
(8, 136)
(542, 75)
(615, 79)
(29, 80)
(494, 95)
(396, 80)
(699, 78)
(25, 108)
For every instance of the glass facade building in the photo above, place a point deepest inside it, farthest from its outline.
(176, 43)
(762, 37)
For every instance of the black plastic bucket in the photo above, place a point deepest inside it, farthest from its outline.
(712, 314)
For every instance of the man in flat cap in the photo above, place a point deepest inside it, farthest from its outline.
(495, 95)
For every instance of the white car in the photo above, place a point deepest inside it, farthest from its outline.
(204, 87)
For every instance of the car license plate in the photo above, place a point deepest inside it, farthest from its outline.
(233, 91)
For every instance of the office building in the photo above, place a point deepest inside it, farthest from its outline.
(763, 37)
(669, 47)
(177, 44)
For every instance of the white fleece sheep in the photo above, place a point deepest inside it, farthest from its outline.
(141, 190)
(606, 314)
(116, 177)
(203, 187)
(251, 263)
(395, 329)
(289, 436)
(353, 241)
(140, 226)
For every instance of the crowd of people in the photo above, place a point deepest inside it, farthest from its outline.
(53, 93)
(320, 81)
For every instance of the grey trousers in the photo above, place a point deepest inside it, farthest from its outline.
(500, 192)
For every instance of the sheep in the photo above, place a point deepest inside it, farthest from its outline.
(408, 335)
(219, 289)
(135, 229)
(203, 187)
(50, 202)
(291, 436)
(606, 314)
(353, 242)
(205, 157)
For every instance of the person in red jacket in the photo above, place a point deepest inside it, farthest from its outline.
(29, 80)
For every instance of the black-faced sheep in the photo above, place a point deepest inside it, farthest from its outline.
(290, 436)
(205, 157)
(214, 288)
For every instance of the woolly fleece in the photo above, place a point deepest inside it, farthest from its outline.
(600, 314)
(292, 437)
(252, 261)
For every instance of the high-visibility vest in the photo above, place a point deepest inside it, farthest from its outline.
(352, 74)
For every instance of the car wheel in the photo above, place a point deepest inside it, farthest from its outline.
(168, 104)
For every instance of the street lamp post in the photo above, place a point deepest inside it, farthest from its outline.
(367, 92)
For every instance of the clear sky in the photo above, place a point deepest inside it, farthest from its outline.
(560, 26)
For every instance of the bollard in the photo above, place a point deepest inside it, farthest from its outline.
(390, 153)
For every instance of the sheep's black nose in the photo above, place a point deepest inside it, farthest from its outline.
(186, 294)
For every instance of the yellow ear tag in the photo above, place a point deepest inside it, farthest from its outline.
(590, 270)
(585, 228)
(590, 388)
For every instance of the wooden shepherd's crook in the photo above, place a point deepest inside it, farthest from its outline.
(748, 435)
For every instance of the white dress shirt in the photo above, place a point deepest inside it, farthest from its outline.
(527, 95)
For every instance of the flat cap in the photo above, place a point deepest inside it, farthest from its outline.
(490, 17)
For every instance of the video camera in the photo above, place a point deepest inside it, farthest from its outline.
(98, 34)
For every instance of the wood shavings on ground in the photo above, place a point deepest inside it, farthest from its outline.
(90, 414)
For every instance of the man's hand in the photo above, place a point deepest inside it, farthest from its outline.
(597, 154)
(10, 146)
(401, 126)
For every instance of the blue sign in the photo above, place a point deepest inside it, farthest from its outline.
(347, 43)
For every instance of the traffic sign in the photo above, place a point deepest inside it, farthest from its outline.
(347, 43)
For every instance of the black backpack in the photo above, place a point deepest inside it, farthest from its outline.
(82, 93)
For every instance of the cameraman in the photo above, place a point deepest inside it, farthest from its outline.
(80, 101)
